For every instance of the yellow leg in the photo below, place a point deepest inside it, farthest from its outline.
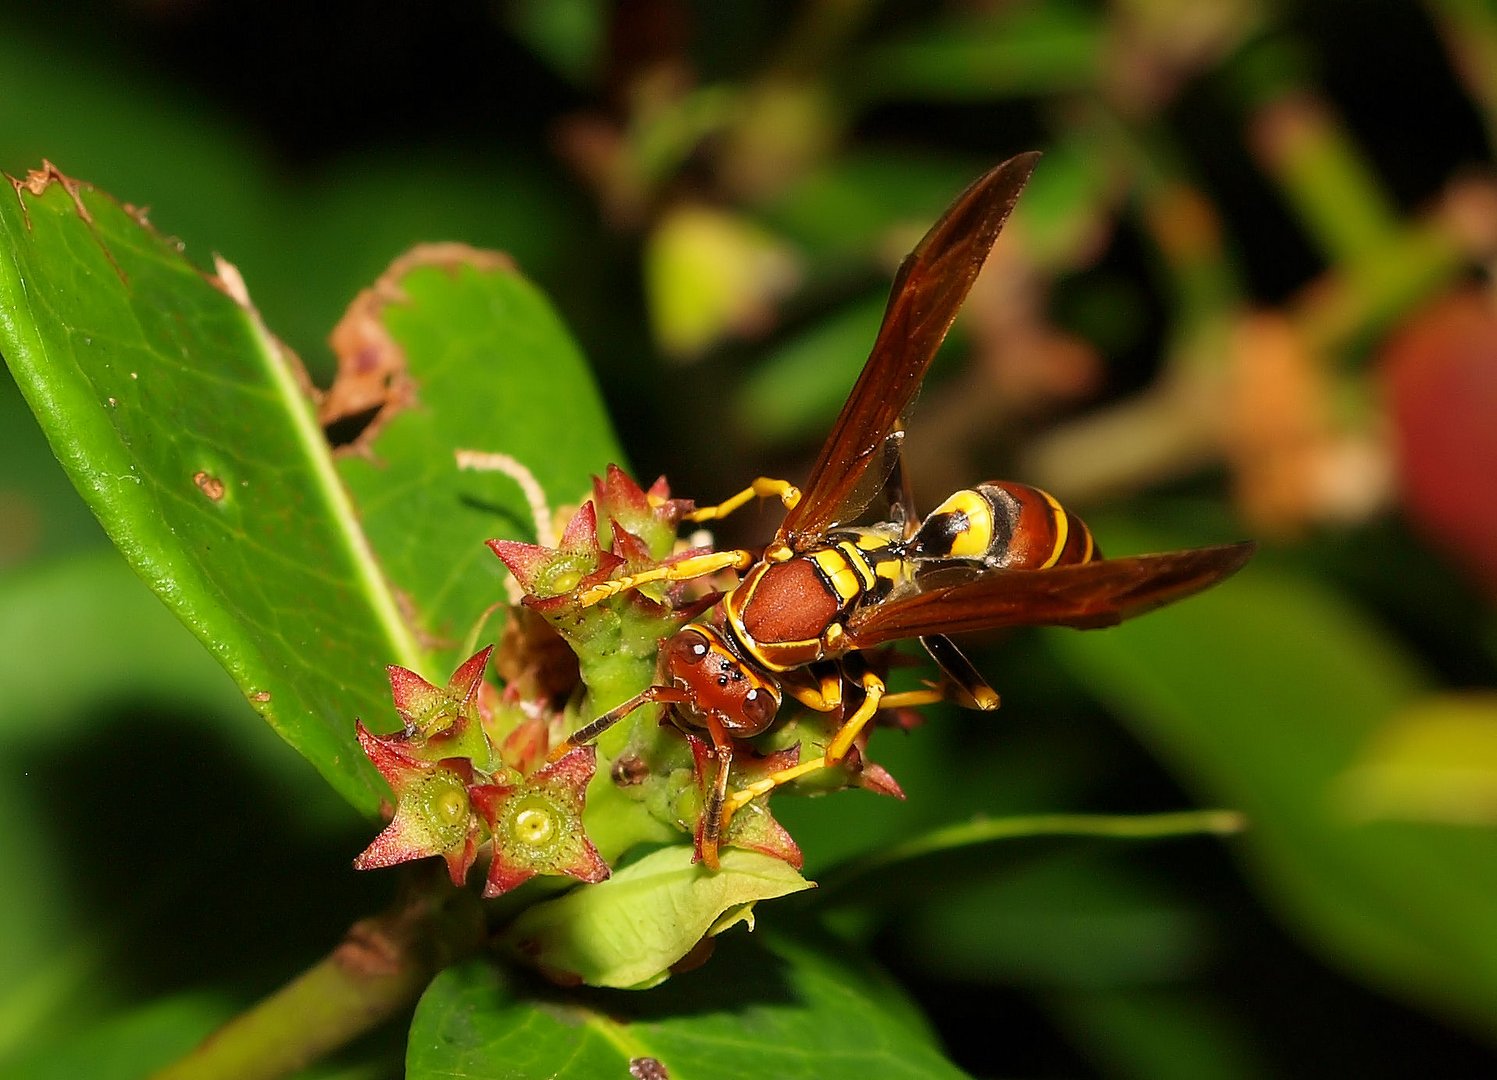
(908, 698)
(743, 796)
(684, 570)
(973, 690)
(825, 696)
(873, 689)
(763, 487)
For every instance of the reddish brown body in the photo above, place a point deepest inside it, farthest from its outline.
(995, 555)
(723, 695)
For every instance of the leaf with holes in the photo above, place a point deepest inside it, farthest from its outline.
(192, 434)
(454, 351)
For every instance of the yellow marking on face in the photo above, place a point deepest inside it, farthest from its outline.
(1062, 529)
(1091, 547)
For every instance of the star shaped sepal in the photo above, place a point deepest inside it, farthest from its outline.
(536, 824)
(553, 577)
(550, 576)
(433, 812)
(443, 722)
(753, 826)
(650, 518)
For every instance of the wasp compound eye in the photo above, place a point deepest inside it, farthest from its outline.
(759, 707)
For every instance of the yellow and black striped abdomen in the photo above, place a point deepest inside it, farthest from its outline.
(1001, 524)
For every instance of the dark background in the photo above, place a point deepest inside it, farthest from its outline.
(310, 144)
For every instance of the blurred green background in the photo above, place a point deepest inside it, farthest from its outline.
(1246, 295)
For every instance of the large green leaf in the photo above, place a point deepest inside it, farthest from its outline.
(192, 436)
(492, 370)
(185, 428)
(1261, 694)
(763, 1007)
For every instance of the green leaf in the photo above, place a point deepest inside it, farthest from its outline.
(1434, 761)
(186, 430)
(191, 434)
(763, 1006)
(492, 370)
(628, 931)
(1028, 49)
(1260, 693)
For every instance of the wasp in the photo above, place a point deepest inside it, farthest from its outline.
(826, 589)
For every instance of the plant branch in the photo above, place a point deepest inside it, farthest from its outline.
(987, 830)
(379, 968)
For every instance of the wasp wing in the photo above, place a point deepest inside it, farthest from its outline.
(1084, 595)
(929, 288)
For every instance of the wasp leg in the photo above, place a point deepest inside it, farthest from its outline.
(595, 727)
(825, 695)
(684, 570)
(719, 808)
(873, 695)
(763, 487)
(975, 693)
(745, 795)
(906, 699)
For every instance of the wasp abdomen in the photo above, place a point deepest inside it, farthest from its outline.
(1004, 525)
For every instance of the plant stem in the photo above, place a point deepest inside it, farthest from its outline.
(986, 830)
(379, 968)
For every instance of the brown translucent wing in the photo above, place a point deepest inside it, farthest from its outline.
(1084, 595)
(931, 284)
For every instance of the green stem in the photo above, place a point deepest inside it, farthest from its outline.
(987, 830)
(1320, 170)
(1469, 28)
(378, 970)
